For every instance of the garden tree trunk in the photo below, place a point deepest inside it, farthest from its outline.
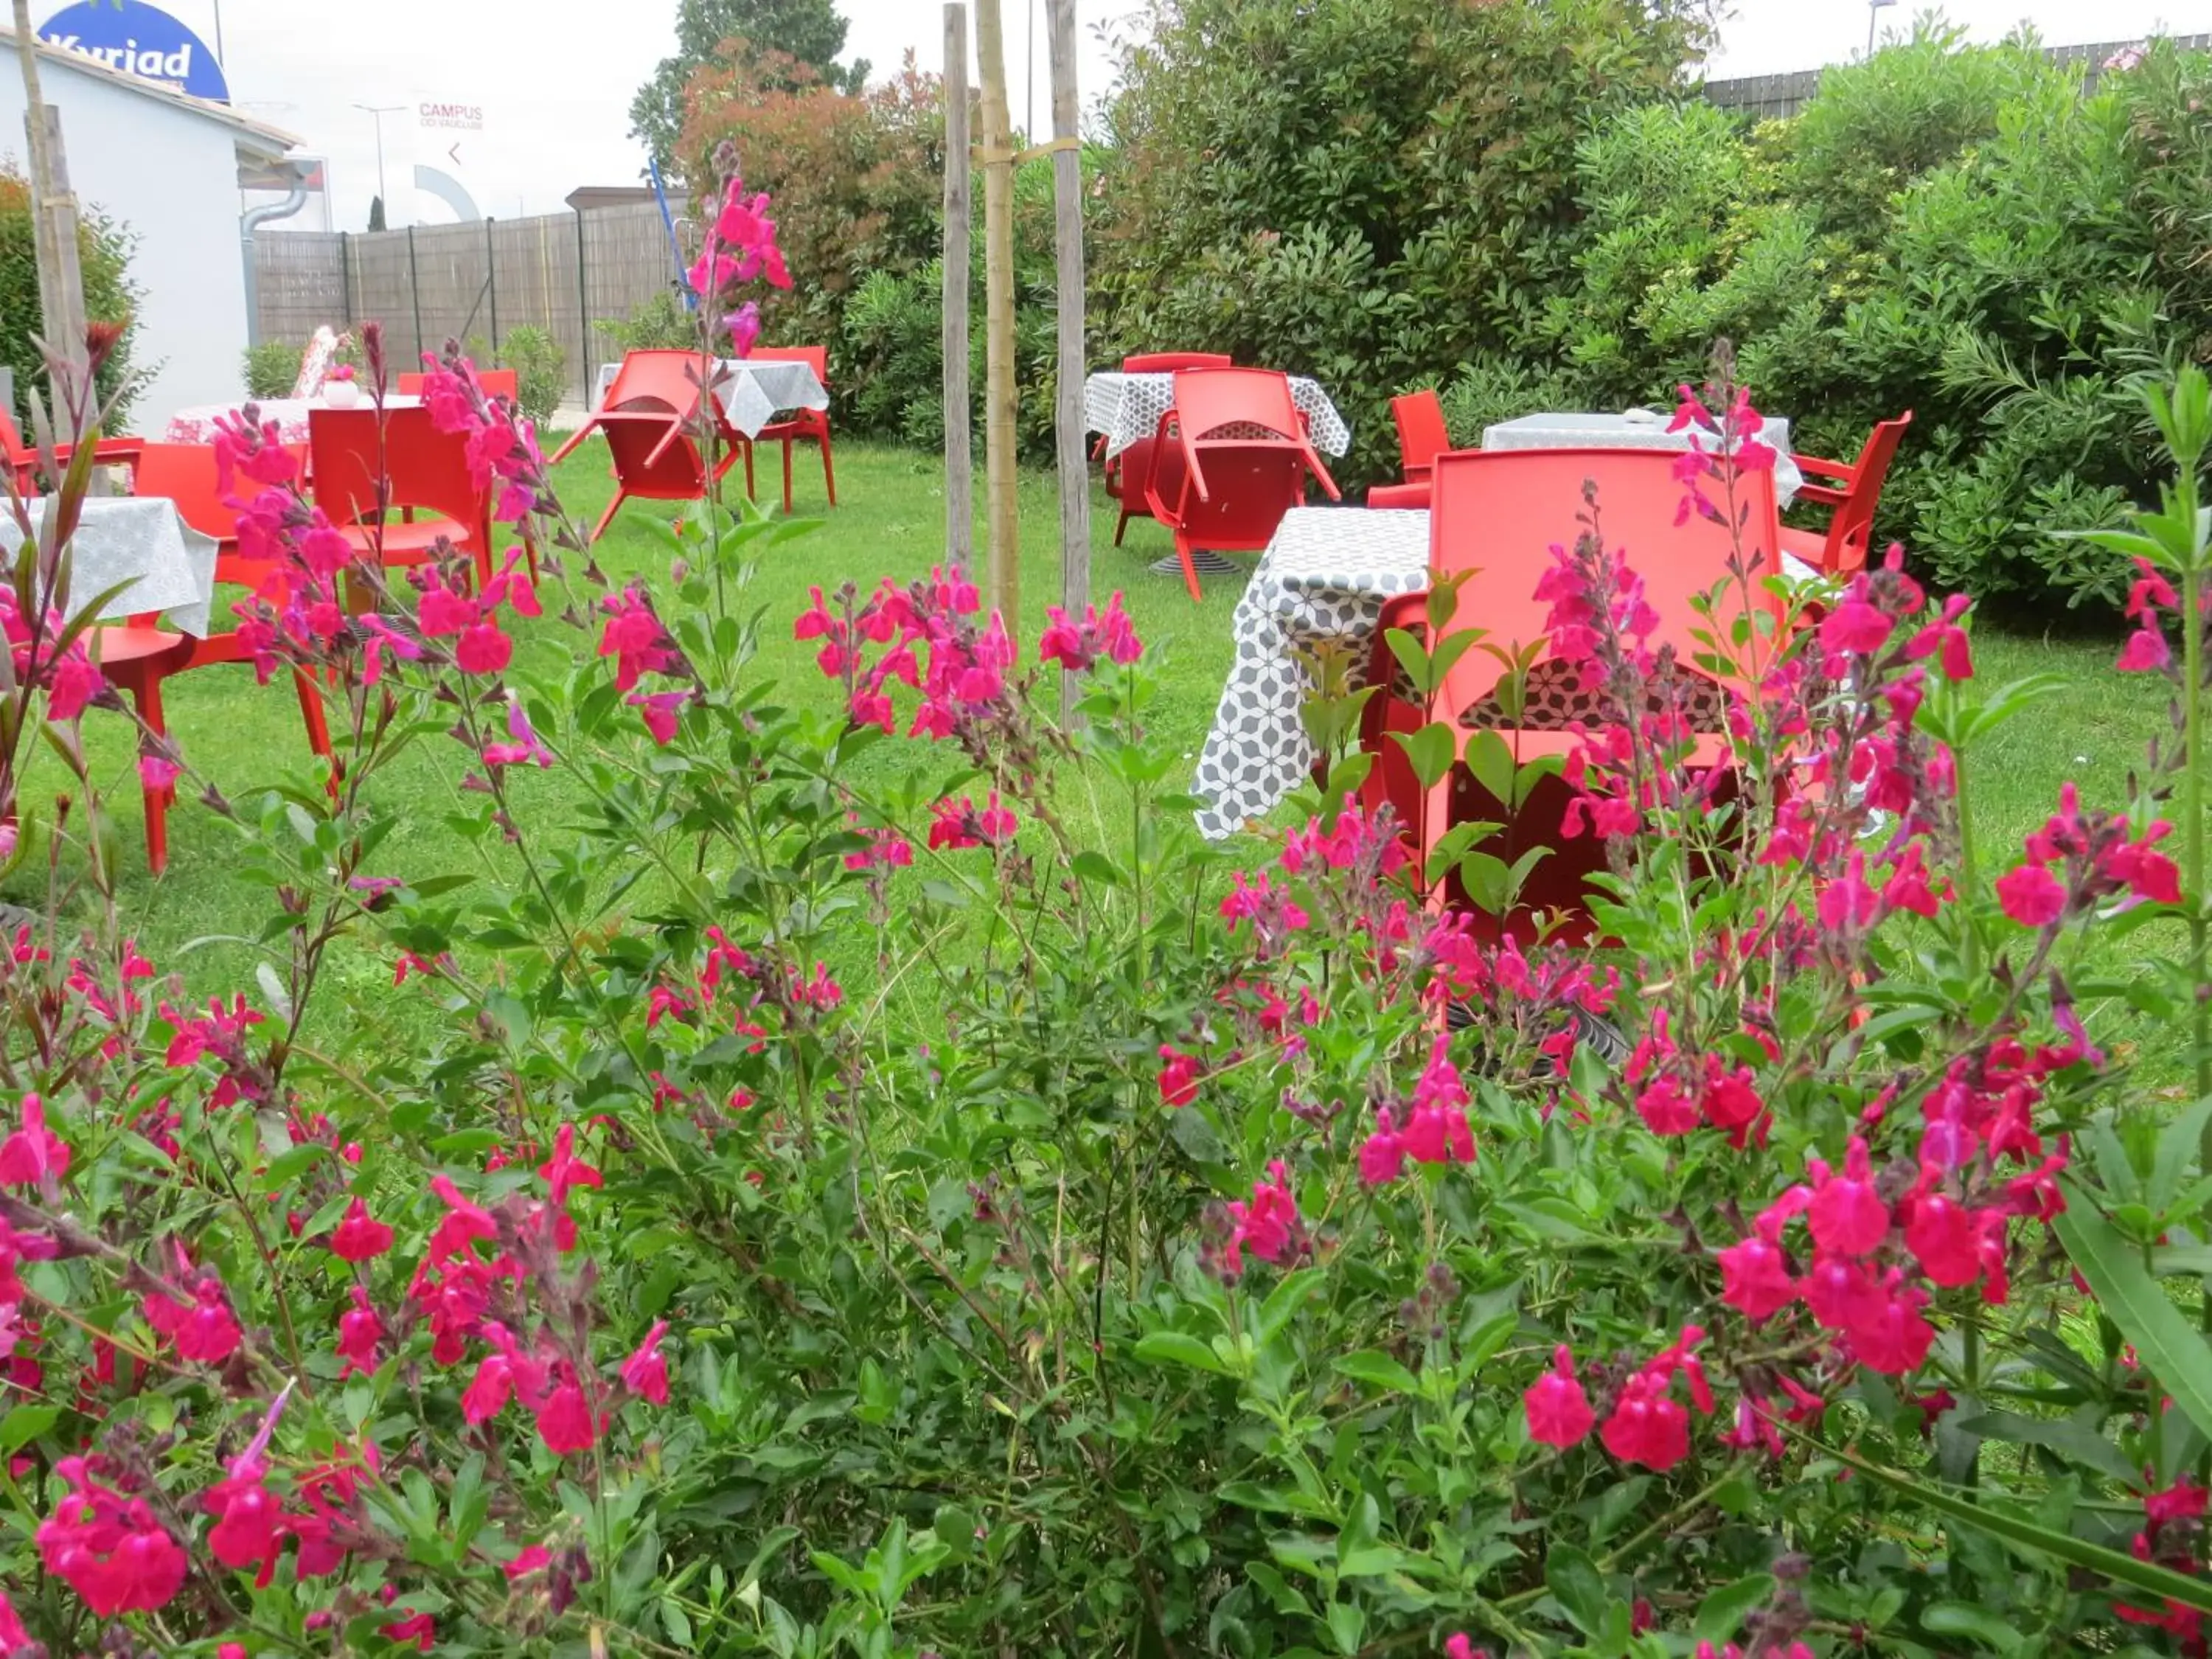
(1067, 257)
(959, 463)
(999, 316)
(53, 210)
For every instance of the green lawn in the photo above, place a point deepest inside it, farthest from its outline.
(890, 522)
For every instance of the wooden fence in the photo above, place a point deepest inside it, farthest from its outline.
(557, 272)
(1778, 97)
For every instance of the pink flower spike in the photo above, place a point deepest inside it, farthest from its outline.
(1558, 1409)
(644, 1373)
(33, 1154)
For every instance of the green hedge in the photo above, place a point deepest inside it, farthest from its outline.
(104, 251)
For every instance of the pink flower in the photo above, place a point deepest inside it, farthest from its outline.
(1846, 1215)
(660, 710)
(2146, 650)
(1382, 1154)
(483, 649)
(1179, 1074)
(644, 1373)
(1945, 1238)
(360, 1237)
(110, 1551)
(35, 1154)
(157, 772)
(203, 1329)
(564, 1171)
(2032, 896)
(1268, 1226)
(564, 1422)
(1648, 1425)
(1558, 1409)
(1756, 1279)
(1855, 628)
(359, 1332)
(524, 747)
(489, 1390)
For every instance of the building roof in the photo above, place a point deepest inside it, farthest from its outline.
(256, 135)
(585, 197)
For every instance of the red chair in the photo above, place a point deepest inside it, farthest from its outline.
(349, 450)
(1171, 362)
(1497, 515)
(1399, 496)
(1244, 455)
(1129, 471)
(26, 464)
(656, 458)
(805, 426)
(659, 379)
(1421, 437)
(495, 382)
(138, 656)
(1843, 547)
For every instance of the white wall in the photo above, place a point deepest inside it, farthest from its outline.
(171, 176)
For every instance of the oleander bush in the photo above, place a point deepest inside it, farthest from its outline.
(875, 1181)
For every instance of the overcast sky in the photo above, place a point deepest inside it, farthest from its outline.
(553, 78)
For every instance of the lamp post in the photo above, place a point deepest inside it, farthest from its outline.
(1874, 11)
(376, 112)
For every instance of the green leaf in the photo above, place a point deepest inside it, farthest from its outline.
(25, 1423)
(1094, 865)
(2156, 1582)
(1347, 1624)
(1964, 1618)
(2174, 1349)
(1377, 1370)
(1491, 762)
(2075, 1441)
(2178, 1144)
(1428, 751)
(1175, 1348)
(1720, 1615)
(1577, 1586)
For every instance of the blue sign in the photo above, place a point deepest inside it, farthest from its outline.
(139, 40)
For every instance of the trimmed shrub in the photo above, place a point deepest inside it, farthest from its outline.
(104, 248)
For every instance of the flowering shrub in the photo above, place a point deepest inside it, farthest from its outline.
(882, 1184)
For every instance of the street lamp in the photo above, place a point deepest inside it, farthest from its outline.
(376, 112)
(1873, 10)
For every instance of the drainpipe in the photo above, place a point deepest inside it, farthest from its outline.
(250, 221)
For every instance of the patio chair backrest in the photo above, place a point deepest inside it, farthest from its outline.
(429, 469)
(1852, 527)
(645, 462)
(1206, 400)
(657, 375)
(1167, 362)
(1498, 513)
(496, 383)
(815, 357)
(1419, 417)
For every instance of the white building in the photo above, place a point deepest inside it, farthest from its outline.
(165, 167)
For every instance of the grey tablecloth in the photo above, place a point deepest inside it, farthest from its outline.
(753, 390)
(1324, 578)
(170, 567)
(1599, 431)
(1127, 407)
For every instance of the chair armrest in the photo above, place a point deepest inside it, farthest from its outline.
(1822, 495)
(1825, 468)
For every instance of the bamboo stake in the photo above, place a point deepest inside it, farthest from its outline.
(959, 462)
(999, 397)
(1067, 257)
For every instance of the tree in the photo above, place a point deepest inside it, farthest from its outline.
(810, 31)
(376, 213)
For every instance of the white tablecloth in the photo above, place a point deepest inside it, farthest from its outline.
(1127, 407)
(1599, 431)
(139, 539)
(1323, 580)
(196, 425)
(753, 390)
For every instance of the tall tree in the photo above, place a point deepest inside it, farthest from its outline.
(376, 213)
(810, 31)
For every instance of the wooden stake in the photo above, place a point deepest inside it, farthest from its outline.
(1067, 259)
(959, 462)
(53, 214)
(999, 397)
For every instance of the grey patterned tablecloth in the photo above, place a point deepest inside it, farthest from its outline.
(139, 539)
(1324, 577)
(753, 390)
(1127, 407)
(1598, 431)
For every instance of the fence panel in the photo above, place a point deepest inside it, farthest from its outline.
(1778, 97)
(473, 282)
